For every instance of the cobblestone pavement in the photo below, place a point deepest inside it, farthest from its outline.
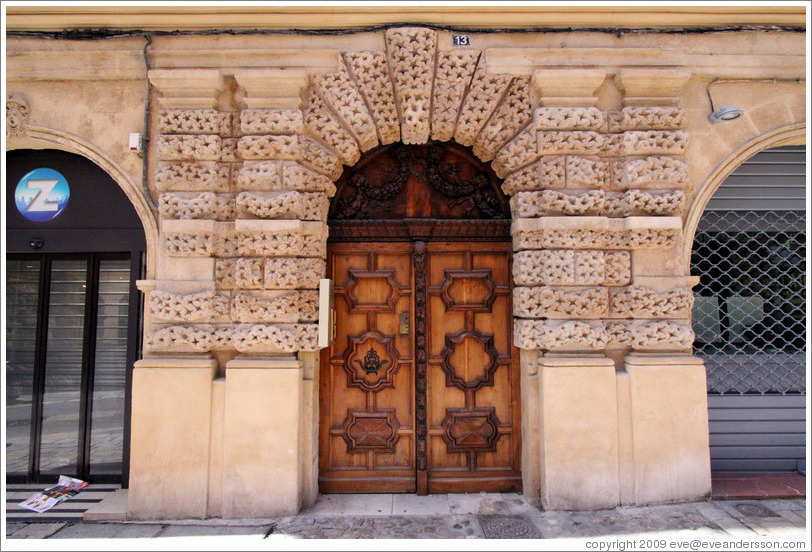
(482, 516)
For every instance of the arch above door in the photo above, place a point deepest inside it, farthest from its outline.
(438, 190)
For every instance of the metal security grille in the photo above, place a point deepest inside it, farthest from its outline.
(750, 310)
(750, 316)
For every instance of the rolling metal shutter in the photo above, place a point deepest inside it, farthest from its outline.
(750, 313)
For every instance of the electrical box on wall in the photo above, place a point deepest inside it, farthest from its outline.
(135, 142)
(327, 313)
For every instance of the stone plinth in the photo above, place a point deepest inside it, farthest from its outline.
(262, 438)
(668, 411)
(579, 437)
(171, 428)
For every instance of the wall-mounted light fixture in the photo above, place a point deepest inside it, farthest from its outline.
(729, 112)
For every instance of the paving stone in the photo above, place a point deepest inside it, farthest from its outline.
(12, 527)
(139, 531)
(430, 505)
(325, 505)
(793, 516)
(394, 527)
(724, 520)
(213, 530)
(371, 516)
(517, 503)
(468, 503)
(37, 530)
(776, 504)
(364, 504)
(109, 530)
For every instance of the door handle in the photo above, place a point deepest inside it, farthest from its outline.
(403, 327)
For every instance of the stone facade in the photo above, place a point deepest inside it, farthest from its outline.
(606, 169)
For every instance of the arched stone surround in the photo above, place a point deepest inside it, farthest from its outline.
(249, 191)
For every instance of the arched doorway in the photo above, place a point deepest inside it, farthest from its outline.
(750, 313)
(419, 391)
(75, 249)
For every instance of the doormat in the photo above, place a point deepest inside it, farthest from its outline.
(507, 527)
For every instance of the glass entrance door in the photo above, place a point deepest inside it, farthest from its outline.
(69, 345)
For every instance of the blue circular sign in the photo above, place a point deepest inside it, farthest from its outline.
(42, 195)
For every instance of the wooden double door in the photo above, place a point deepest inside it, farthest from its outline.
(419, 391)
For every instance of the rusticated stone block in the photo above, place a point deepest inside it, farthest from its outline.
(654, 142)
(411, 52)
(293, 273)
(321, 122)
(319, 158)
(576, 142)
(546, 173)
(480, 102)
(192, 307)
(339, 91)
(517, 153)
(554, 302)
(455, 69)
(555, 335)
(512, 114)
(371, 72)
(269, 147)
(194, 121)
(202, 147)
(271, 121)
(189, 205)
(192, 177)
(588, 172)
(643, 302)
(570, 118)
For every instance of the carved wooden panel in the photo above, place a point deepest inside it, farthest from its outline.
(371, 430)
(474, 417)
(367, 378)
(420, 365)
(433, 409)
(371, 361)
(470, 430)
(438, 180)
(372, 291)
(469, 360)
(472, 290)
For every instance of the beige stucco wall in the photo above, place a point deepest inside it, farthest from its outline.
(592, 76)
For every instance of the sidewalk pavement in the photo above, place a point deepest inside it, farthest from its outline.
(459, 516)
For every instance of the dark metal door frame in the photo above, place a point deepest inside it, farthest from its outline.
(93, 261)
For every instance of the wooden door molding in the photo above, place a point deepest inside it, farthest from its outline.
(421, 411)
(366, 429)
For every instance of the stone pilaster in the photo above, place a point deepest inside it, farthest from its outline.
(262, 437)
(579, 437)
(170, 439)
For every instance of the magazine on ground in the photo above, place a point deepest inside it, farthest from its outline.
(65, 488)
